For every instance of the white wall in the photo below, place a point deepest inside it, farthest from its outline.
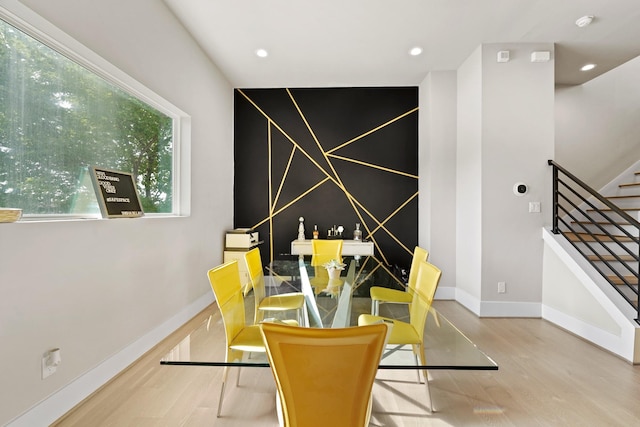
(468, 181)
(505, 136)
(577, 298)
(597, 125)
(437, 185)
(108, 289)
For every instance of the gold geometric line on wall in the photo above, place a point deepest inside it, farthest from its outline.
(391, 216)
(339, 183)
(313, 135)
(371, 165)
(282, 180)
(367, 230)
(396, 239)
(270, 160)
(356, 205)
(275, 124)
(387, 219)
(372, 130)
(370, 234)
(279, 211)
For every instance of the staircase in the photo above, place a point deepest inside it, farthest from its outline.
(604, 227)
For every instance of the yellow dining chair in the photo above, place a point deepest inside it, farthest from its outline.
(324, 377)
(380, 295)
(412, 332)
(277, 303)
(323, 251)
(240, 337)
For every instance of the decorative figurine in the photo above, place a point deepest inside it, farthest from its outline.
(301, 228)
(357, 233)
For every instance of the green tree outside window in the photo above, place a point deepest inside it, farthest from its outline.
(57, 118)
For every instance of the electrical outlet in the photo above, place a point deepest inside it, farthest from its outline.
(50, 362)
(47, 368)
(502, 287)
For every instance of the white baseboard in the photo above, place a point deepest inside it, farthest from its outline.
(445, 293)
(510, 309)
(56, 405)
(622, 345)
(497, 308)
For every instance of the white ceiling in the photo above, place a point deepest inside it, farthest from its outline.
(327, 43)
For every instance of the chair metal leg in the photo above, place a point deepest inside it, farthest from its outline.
(224, 381)
(431, 409)
(375, 307)
(435, 315)
(418, 350)
(415, 357)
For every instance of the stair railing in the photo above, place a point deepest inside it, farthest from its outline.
(576, 215)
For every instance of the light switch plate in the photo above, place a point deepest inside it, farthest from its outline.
(534, 207)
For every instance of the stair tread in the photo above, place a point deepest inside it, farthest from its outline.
(591, 237)
(610, 258)
(610, 210)
(629, 184)
(599, 223)
(630, 196)
(633, 280)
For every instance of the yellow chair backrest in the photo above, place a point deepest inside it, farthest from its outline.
(419, 254)
(227, 289)
(325, 250)
(324, 377)
(428, 277)
(256, 275)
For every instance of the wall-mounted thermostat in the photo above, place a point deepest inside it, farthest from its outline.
(520, 189)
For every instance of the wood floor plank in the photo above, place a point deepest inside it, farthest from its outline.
(547, 377)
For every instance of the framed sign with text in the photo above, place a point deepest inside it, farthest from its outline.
(116, 193)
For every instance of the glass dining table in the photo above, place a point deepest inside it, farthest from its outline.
(335, 303)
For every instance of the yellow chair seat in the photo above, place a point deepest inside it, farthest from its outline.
(390, 295)
(402, 332)
(263, 304)
(282, 302)
(248, 339)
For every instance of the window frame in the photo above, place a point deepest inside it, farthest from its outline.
(32, 24)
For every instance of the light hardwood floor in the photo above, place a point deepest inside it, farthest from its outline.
(547, 377)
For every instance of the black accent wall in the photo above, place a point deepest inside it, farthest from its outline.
(335, 156)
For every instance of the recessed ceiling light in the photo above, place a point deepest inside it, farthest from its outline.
(588, 67)
(415, 51)
(584, 21)
(262, 53)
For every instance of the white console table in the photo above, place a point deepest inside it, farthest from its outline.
(349, 247)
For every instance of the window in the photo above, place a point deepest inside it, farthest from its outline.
(57, 118)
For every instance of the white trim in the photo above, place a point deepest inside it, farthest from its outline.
(497, 308)
(510, 309)
(59, 403)
(621, 345)
(469, 301)
(445, 293)
(625, 345)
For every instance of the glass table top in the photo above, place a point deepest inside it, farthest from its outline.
(335, 303)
